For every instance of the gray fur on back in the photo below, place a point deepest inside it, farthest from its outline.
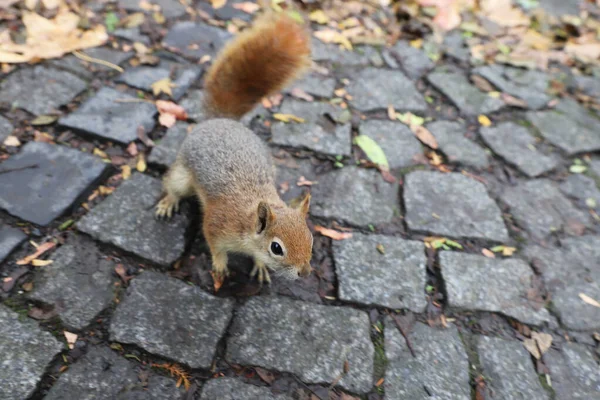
(227, 157)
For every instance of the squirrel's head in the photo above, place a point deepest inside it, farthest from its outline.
(285, 240)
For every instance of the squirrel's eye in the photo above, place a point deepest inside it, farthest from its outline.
(276, 249)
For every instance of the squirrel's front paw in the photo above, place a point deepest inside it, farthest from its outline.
(166, 206)
(262, 271)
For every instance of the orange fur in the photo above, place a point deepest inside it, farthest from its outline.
(257, 63)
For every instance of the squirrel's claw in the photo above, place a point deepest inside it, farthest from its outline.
(166, 206)
(262, 271)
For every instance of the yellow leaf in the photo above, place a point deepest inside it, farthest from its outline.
(587, 299)
(488, 253)
(159, 18)
(332, 36)
(247, 7)
(140, 48)
(484, 120)
(163, 86)
(288, 118)
(100, 153)
(216, 4)
(508, 251)
(12, 141)
(126, 171)
(425, 136)
(319, 17)
(391, 112)
(41, 263)
(417, 43)
(141, 164)
(536, 40)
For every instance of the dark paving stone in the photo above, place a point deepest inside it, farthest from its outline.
(516, 145)
(10, 238)
(570, 127)
(165, 152)
(234, 389)
(574, 372)
(168, 8)
(193, 103)
(582, 188)
(196, 39)
(540, 208)
(172, 319)
(399, 144)
(318, 132)
(559, 8)
(582, 256)
(483, 284)
(26, 352)
(79, 283)
(308, 340)
(39, 89)
(132, 34)
(508, 370)
(456, 147)
(451, 205)
(395, 279)
(102, 375)
(527, 85)
(589, 85)
(126, 220)
(355, 195)
(88, 70)
(289, 172)
(455, 46)
(315, 85)
(595, 167)
(376, 89)
(466, 97)
(104, 116)
(329, 52)
(41, 194)
(227, 12)
(6, 128)
(182, 75)
(414, 61)
(440, 369)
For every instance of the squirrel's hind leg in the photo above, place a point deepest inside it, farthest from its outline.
(178, 183)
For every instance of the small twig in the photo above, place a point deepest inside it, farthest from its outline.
(5, 171)
(403, 332)
(87, 58)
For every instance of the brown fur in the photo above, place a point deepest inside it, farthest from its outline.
(259, 62)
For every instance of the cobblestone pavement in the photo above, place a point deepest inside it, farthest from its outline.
(386, 314)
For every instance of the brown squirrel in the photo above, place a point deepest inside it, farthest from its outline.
(231, 170)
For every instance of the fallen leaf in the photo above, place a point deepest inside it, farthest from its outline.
(141, 49)
(105, 190)
(544, 341)
(425, 136)
(288, 117)
(132, 149)
(488, 253)
(99, 153)
(380, 248)
(141, 134)
(333, 234)
(585, 52)
(587, 299)
(536, 40)
(41, 263)
(482, 83)
(44, 120)
(265, 375)
(159, 18)
(447, 16)
(133, 20)
(120, 270)
(532, 348)
(303, 182)
(111, 21)
(41, 249)
(484, 120)
(333, 36)
(126, 172)
(163, 86)
(141, 163)
(42, 137)
(577, 169)
(319, 17)
(167, 120)
(41, 315)
(410, 119)
(71, 339)
(513, 101)
(372, 150)
(27, 286)
(12, 141)
(247, 7)
(216, 4)
(391, 113)
(301, 94)
(170, 112)
(503, 13)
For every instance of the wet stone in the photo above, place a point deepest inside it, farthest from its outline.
(515, 144)
(86, 69)
(508, 370)
(102, 375)
(168, 8)
(10, 239)
(182, 75)
(132, 34)
(6, 128)
(440, 368)
(456, 147)
(41, 194)
(452, 205)
(529, 86)
(105, 117)
(39, 89)
(582, 256)
(484, 284)
(319, 131)
(165, 152)
(582, 188)
(171, 319)
(542, 209)
(570, 127)
(395, 279)
(79, 283)
(574, 372)
(315, 85)
(376, 89)
(126, 219)
(465, 96)
(355, 195)
(196, 39)
(414, 61)
(289, 173)
(329, 52)
(26, 352)
(400, 145)
(308, 340)
(234, 389)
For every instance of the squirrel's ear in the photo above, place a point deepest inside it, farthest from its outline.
(304, 204)
(265, 217)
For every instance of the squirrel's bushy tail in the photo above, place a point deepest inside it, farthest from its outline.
(257, 63)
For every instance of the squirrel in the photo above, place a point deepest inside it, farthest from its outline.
(230, 169)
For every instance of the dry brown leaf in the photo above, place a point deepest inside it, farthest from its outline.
(587, 299)
(333, 234)
(536, 40)
(513, 101)
(126, 172)
(301, 94)
(448, 12)
(71, 338)
(503, 13)
(488, 253)
(584, 52)
(163, 86)
(27, 286)
(425, 136)
(132, 149)
(171, 108)
(544, 341)
(532, 348)
(41, 249)
(287, 118)
(391, 112)
(167, 120)
(12, 141)
(303, 182)
(42, 137)
(247, 7)
(482, 83)
(333, 36)
(265, 375)
(122, 272)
